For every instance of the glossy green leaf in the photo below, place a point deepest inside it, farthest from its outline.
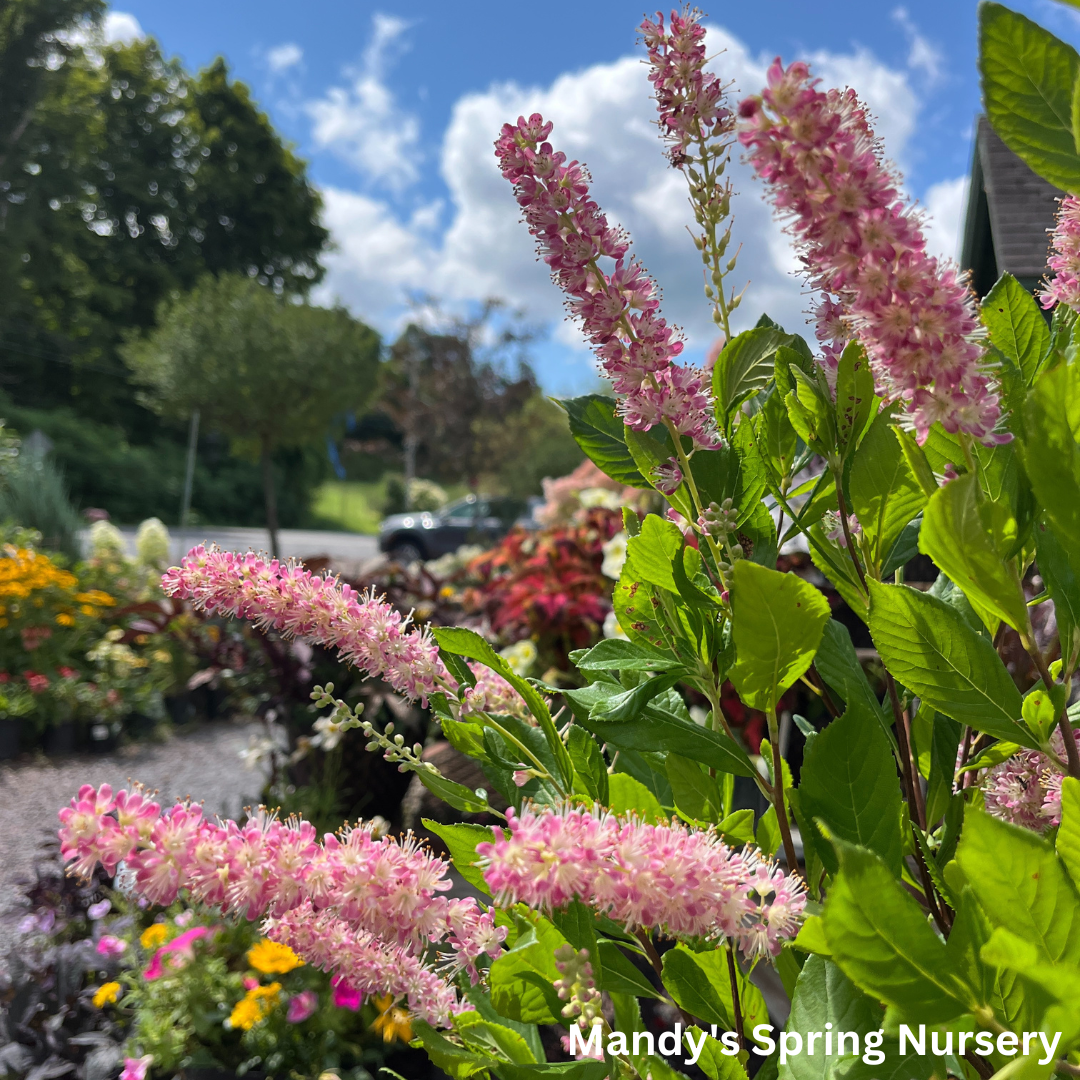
(590, 769)
(838, 664)
(967, 536)
(629, 796)
(1063, 584)
(880, 938)
(1016, 324)
(811, 412)
(1068, 834)
(1021, 885)
(619, 975)
(885, 494)
(615, 654)
(456, 1061)
(452, 793)
(521, 979)
(1027, 82)
(490, 1036)
(854, 393)
(745, 365)
(825, 995)
(461, 840)
(849, 782)
(701, 984)
(583, 1069)
(599, 433)
(649, 555)
(777, 623)
(929, 648)
(696, 793)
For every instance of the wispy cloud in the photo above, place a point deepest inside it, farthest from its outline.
(283, 57)
(923, 55)
(362, 122)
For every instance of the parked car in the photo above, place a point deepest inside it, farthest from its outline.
(476, 519)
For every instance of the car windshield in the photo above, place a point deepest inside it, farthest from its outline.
(463, 508)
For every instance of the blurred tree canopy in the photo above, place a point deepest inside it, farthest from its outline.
(266, 371)
(462, 393)
(124, 179)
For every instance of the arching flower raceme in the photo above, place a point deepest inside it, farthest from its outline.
(367, 632)
(618, 308)
(687, 882)
(383, 891)
(863, 247)
(690, 101)
(1064, 288)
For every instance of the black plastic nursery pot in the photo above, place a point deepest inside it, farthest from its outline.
(10, 729)
(62, 738)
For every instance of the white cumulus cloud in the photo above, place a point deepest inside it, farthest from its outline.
(362, 123)
(284, 56)
(945, 205)
(603, 115)
(121, 27)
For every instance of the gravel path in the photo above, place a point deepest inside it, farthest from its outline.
(204, 764)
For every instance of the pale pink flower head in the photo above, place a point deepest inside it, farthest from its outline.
(863, 247)
(1064, 287)
(302, 1006)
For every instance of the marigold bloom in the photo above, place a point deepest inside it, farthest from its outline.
(106, 994)
(863, 247)
(367, 632)
(272, 958)
(255, 1005)
(392, 1023)
(154, 935)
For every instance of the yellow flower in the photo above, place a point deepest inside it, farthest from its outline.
(393, 1021)
(272, 958)
(86, 609)
(254, 1006)
(154, 935)
(65, 619)
(106, 994)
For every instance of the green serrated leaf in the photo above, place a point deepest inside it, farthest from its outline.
(880, 938)
(929, 647)
(849, 782)
(745, 366)
(777, 623)
(629, 796)
(967, 536)
(461, 840)
(599, 433)
(854, 393)
(1027, 82)
(701, 984)
(696, 793)
(1017, 327)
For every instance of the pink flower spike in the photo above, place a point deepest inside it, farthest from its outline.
(345, 997)
(863, 247)
(368, 633)
(1064, 288)
(302, 1006)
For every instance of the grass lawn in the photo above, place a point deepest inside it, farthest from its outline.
(350, 505)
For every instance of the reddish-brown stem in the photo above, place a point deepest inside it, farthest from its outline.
(1072, 756)
(736, 1009)
(657, 965)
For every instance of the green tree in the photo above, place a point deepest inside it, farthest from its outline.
(265, 371)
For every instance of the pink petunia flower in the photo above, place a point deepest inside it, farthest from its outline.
(302, 1006)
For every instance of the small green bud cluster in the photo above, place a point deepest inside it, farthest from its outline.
(577, 987)
(719, 520)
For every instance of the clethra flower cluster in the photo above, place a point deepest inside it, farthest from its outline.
(381, 891)
(686, 882)
(1065, 260)
(1026, 788)
(282, 596)
(492, 694)
(864, 249)
(690, 101)
(619, 310)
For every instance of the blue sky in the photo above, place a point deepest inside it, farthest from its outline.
(395, 107)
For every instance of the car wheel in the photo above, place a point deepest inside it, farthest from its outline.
(406, 553)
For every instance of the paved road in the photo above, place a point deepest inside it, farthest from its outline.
(204, 764)
(295, 543)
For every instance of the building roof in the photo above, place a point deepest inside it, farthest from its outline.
(1009, 211)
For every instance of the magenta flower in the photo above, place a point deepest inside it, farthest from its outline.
(688, 883)
(367, 632)
(174, 955)
(1065, 260)
(345, 996)
(302, 1006)
(135, 1068)
(618, 308)
(111, 947)
(863, 247)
